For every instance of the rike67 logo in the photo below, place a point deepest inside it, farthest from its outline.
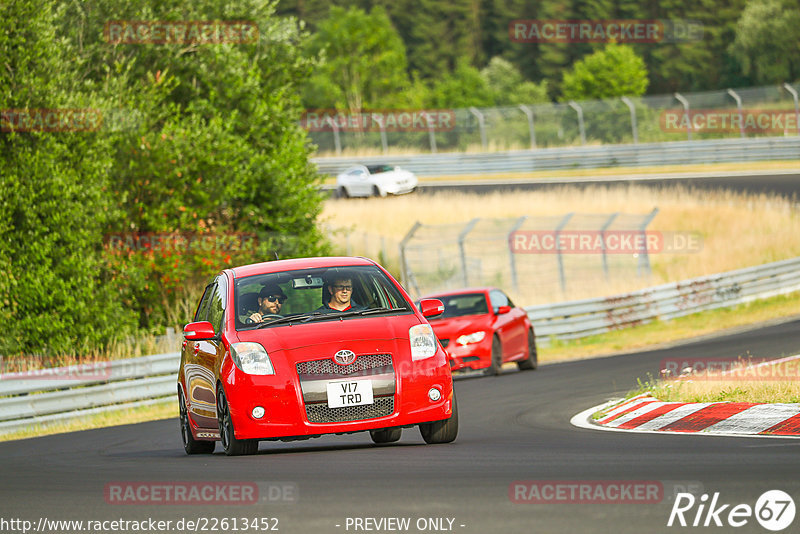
(774, 510)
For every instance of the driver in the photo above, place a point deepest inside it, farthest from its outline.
(270, 300)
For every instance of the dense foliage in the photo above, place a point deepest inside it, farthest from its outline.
(740, 43)
(198, 164)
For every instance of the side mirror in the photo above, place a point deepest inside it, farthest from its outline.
(431, 307)
(198, 331)
(503, 309)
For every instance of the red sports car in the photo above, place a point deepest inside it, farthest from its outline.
(481, 329)
(294, 349)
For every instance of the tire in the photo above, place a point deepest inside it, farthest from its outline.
(376, 192)
(441, 431)
(191, 445)
(532, 361)
(342, 193)
(497, 358)
(231, 445)
(386, 435)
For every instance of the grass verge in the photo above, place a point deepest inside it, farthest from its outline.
(165, 410)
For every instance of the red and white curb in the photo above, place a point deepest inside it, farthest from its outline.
(644, 413)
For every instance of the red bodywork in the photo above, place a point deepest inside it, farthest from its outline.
(509, 324)
(206, 366)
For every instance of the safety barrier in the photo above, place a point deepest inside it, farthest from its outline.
(634, 155)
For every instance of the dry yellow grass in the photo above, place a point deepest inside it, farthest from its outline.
(738, 230)
(766, 383)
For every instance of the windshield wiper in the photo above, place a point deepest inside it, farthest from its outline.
(287, 319)
(375, 311)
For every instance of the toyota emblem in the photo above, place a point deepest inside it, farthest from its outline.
(344, 357)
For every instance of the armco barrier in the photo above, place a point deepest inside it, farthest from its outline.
(581, 318)
(540, 159)
(60, 394)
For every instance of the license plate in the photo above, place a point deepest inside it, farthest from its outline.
(343, 393)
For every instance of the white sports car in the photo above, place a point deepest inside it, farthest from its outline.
(375, 180)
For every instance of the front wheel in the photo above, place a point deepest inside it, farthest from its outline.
(386, 435)
(497, 358)
(441, 431)
(231, 445)
(191, 445)
(532, 361)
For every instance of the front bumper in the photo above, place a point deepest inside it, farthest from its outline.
(296, 406)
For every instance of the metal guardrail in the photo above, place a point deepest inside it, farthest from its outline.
(581, 318)
(50, 395)
(46, 396)
(635, 155)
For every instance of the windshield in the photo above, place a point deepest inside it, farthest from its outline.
(307, 295)
(376, 169)
(467, 304)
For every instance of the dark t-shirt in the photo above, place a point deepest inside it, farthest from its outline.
(326, 308)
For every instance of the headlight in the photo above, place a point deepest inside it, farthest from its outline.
(423, 342)
(251, 358)
(474, 337)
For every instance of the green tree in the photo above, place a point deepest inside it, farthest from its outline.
(363, 61)
(614, 71)
(463, 88)
(508, 86)
(768, 40)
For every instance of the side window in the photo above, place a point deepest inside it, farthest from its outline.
(202, 307)
(498, 299)
(216, 308)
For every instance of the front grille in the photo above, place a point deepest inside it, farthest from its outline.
(321, 413)
(328, 367)
(444, 343)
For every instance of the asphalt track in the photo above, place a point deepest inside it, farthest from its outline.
(784, 183)
(513, 427)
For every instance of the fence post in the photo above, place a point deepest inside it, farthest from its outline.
(405, 271)
(634, 129)
(603, 229)
(574, 105)
(738, 100)
(644, 258)
(461, 236)
(481, 125)
(562, 277)
(685, 104)
(382, 126)
(431, 132)
(792, 92)
(336, 139)
(529, 113)
(511, 255)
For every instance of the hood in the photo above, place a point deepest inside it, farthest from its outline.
(321, 339)
(455, 326)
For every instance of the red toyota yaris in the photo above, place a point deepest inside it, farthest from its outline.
(295, 349)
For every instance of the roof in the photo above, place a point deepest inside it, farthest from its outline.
(298, 263)
(462, 291)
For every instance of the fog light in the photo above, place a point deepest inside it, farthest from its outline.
(258, 412)
(434, 394)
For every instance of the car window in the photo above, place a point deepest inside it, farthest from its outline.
(202, 307)
(216, 308)
(466, 304)
(499, 298)
(376, 169)
(306, 292)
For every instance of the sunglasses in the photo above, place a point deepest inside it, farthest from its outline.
(273, 298)
(342, 288)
